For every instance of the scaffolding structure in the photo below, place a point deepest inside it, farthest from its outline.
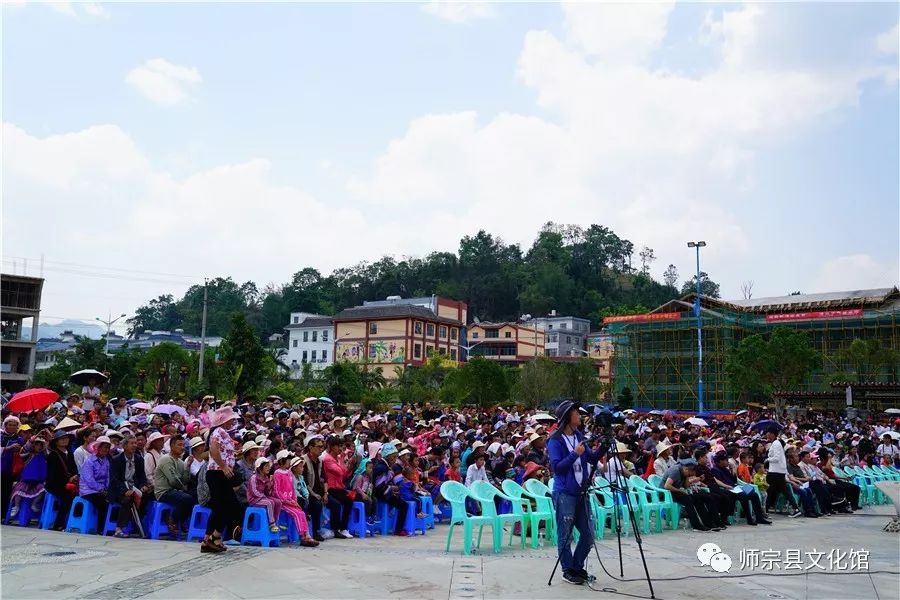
(657, 359)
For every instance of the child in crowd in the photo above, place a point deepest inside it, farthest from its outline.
(286, 492)
(743, 468)
(363, 486)
(408, 490)
(759, 480)
(453, 473)
(260, 492)
(30, 486)
(300, 483)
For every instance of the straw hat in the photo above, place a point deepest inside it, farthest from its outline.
(622, 448)
(296, 461)
(262, 460)
(220, 416)
(197, 441)
(662, 447)
(248, 446)
(282, 454)
(404, 452)
(478, 444)
(156, 436)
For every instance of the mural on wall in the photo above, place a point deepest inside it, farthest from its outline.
(379, 352)
(600, 346)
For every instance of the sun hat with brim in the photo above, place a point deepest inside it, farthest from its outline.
(111, 433)
(156, 436)
(296, 461)
(494, 447)
(67, 423)
(478, 444)
(662, 447)
(622, 448)
(388, 449)
(282, 454)
(563, 410)
(220, 416)
(248, 446)
(262, 460)
(404, 452)
(100, 440)
(531, 468)
(299, 432)
(312, 439)
(61, 433)
(197, 441)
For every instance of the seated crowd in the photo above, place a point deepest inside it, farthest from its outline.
(297, 461)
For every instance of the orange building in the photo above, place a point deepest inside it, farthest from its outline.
(507, 343)
(400, 332)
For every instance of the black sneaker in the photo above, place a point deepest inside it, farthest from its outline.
(796, 513)
(586, 576)
(573, 577)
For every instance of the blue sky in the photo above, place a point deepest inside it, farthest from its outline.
(254, 140)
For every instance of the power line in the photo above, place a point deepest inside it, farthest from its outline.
(115, 276)
(72, 264)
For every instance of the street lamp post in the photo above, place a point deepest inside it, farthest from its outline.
(109, 323)
(697, 246)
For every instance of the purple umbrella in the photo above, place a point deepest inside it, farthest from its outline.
(765, 424)
(169, 409)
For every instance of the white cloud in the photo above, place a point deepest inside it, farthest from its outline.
(95, 9)
(889, 41)
(163, 82)
(660, 157)
(617, 31)
(71, 9)
(459, 12)
(855, 272)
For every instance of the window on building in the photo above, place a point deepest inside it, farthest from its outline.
(442, 351)
(324, 335)
(314, 355)
(417, 351)
(296, 320)
(554, 338)
(491, 333)
(295, 343)
(568, 339)
(429, 329)
(550, 326)
(373, 328)
(443, 331)
(429, 350)
(417, 327)
(373, 353)
(303, 358)
(546, 338)
(474, 335)
(453, 333)
(315, 337)
(452, 353)
(324, 355)
(507, 334)
(305, 336)
(563, 326)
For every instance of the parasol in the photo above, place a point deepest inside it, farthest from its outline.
(697, 421)
(169, 409)
(31, 400)
(544, 417)
(765, 424)
(84, 376)
(740, 412)
(140, 406)
(892, 411)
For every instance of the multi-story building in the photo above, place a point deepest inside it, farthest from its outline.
(600, 349)
(508, 343)
(310, 340)
(563, 336)
(399, 332)
(20, 304)
(150, 339)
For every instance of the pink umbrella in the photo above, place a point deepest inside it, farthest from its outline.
(140, 406)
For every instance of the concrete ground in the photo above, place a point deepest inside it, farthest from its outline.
(47, 565)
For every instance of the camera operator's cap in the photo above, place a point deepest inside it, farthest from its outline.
(563, 410)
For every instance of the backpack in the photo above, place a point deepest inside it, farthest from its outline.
(202, 486)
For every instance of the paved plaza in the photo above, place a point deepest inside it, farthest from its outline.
(46, 565)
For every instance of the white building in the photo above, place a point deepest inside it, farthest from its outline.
(563, 336)
(310, 339)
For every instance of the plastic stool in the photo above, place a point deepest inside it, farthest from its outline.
(82, 516)
(445, 511)
(386, 516)
(25, 514)
(256, 528)
(110, 525)
(357, 524)
(197, 525)
(428, 509)
(412, 524)
(158, 520)
(292, 533)
(49, 511)
(326, 518)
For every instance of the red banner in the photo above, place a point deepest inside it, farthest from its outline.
(669, 316)
(818, 314)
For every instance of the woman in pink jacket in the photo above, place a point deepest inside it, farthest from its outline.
(285, 491)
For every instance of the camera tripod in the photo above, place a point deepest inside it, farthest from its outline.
(617, 490)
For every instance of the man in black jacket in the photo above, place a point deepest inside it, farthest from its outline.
(127, 483)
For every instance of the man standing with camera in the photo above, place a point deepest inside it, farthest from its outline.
(572, 462)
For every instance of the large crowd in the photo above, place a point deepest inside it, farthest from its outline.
(299, 460)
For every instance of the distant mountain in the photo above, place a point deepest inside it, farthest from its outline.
(52, 330)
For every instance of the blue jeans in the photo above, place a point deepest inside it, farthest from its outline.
(571, 509)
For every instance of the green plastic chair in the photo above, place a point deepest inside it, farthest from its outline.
(654, 502)
(858, 481)
(617, 507)
(534, 514)
(456, 493)
(873, 493)
(890, 474)
(485, 493)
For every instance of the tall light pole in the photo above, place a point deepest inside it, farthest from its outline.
(697, 246)
(203, 334)
(109, 323)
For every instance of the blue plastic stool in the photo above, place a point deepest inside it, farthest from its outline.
(110, 525)
(49, 511)
(386, 517)
(444, 515)
(197, 525)
(412, 524)
(357, 525)
(256, 528)
(82, 516)
(428, 509)
(326, 518)
(292, 534)
(25, 515)
(158, 520)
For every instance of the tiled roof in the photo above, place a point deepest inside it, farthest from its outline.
(312, 322)
(396, 310)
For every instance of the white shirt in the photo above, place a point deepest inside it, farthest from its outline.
(887, 450)
(777, 459)
(473, 474)
(571, 442)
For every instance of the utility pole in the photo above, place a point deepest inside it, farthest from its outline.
(203, 334)
(697, 246)
(109, 323)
